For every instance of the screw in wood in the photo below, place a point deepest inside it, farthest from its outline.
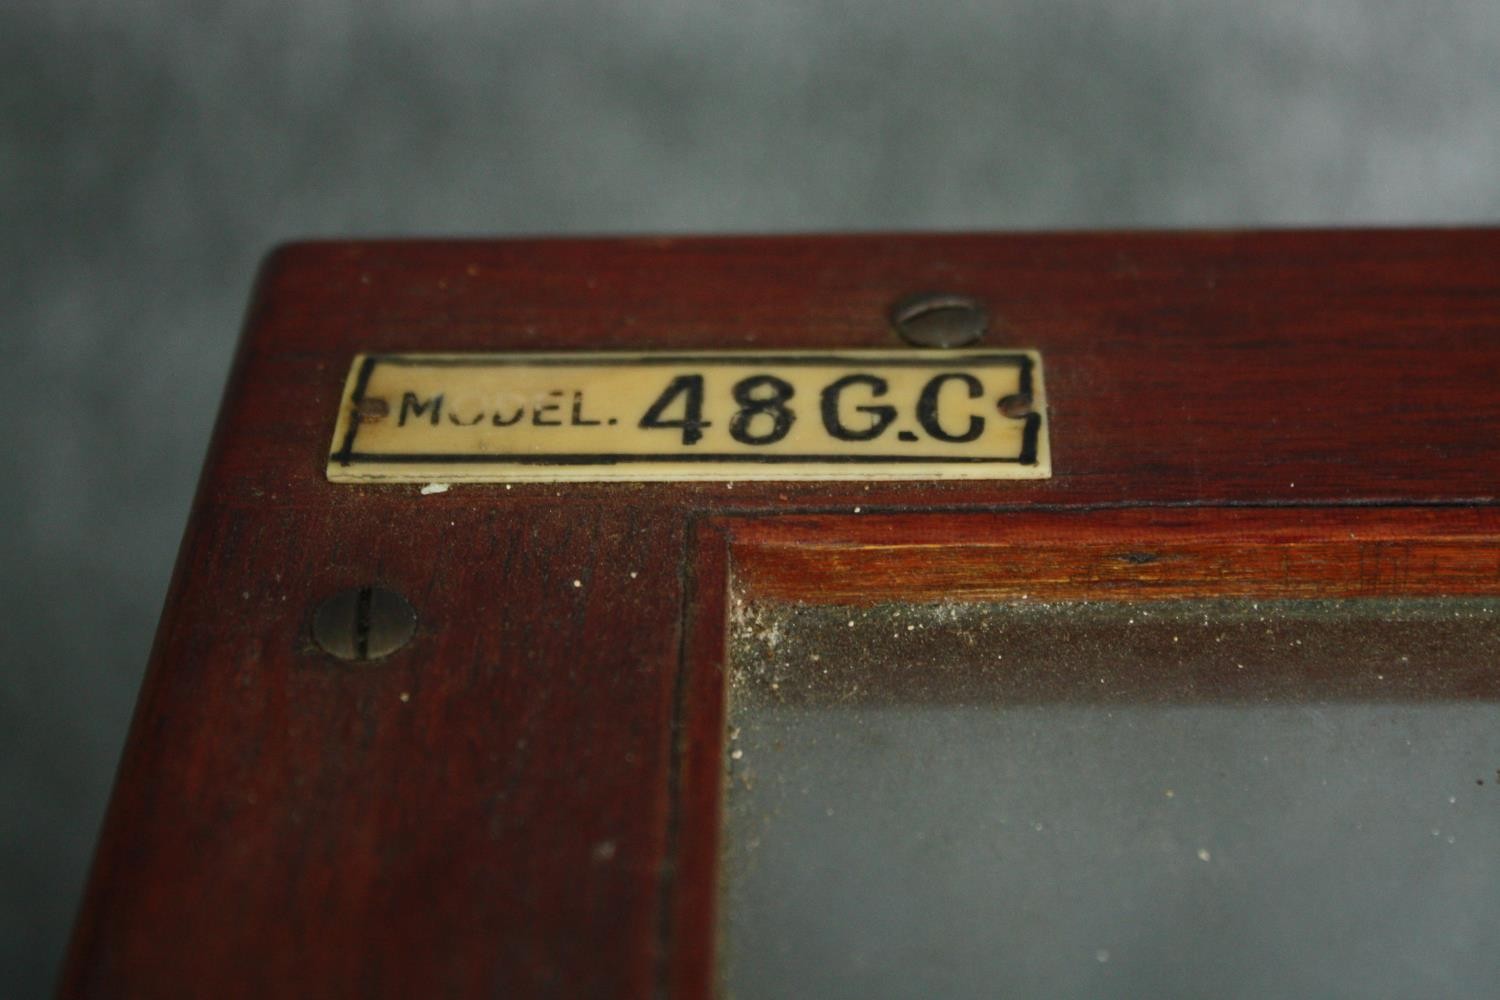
(364, 623)
(939, 319)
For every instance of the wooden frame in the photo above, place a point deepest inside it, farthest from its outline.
(524, 799)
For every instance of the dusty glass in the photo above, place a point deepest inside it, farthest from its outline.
(1181, 798)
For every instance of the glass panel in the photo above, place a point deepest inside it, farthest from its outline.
(1185, 798)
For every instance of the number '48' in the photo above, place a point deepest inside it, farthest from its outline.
(763, 416)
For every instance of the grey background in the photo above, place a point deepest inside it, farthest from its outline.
(151, 153)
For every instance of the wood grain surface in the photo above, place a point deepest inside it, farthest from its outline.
(523, 801)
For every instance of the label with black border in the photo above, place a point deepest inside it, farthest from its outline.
(672, 415)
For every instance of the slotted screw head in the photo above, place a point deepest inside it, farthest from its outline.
(364, 623)
(939, 319)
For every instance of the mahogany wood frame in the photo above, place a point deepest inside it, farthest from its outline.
(524, 801)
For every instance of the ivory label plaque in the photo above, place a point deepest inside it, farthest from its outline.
(722, 415)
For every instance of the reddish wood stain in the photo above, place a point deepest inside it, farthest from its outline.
(523, 801)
